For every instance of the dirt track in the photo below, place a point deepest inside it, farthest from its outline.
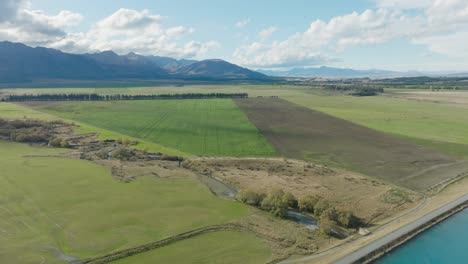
(301, 133)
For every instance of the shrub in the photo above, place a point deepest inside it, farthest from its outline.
(275, 203)
(347, 219)
(291, 200)
(250, 197)
(55, 142)
(122, 153)
(320, 207)
(64, 143)
(307, 203)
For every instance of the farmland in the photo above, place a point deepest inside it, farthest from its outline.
(312, 135)
(214, 127)
(379, 150)
(14, 111)
(50, 204)
(220, 247)
(442, 126)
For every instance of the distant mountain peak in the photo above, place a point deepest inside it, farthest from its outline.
(21, 63)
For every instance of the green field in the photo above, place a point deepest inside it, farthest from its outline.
(78, 208)
(443, 127)
(14, 111)
(220, 247)
(213, 127)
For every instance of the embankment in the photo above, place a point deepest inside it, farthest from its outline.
(397, 238)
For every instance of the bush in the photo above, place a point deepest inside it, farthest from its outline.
(307, 203)
(276, 203)
(122, 153)
(55, 142)
(29, 137)
(347, 219)
(64, 143)
(250, 197)
(320, 207)
(291, 200)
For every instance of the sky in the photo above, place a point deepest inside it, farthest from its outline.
(401, 35)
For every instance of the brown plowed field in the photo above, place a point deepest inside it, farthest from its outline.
(301, 133)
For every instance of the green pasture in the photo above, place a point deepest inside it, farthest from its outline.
(15, 111)
(50, 205)
(219, 247)
(211, 127)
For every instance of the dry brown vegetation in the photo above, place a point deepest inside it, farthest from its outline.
(368, 199)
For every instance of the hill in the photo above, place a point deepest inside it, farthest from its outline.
(23, 64)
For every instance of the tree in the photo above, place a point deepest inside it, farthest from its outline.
(320, 207)
(347, 219)
(307, 203)
(275, 203)
(250, 197)
(291, 200)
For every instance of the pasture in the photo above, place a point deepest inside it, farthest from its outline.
(219, 247)
(15, 111)
(52, 207)
(208, 127)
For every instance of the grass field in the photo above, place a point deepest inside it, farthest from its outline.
(214, 127)
(14, 111)
(440, 126)
(78, 208)
(220, 248)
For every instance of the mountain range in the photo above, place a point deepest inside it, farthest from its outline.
(20, 63)
(329, 72)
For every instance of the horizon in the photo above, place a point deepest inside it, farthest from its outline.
(395, 35)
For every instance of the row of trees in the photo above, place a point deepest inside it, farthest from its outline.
(356, 90)
(278, 202)
(118, 97)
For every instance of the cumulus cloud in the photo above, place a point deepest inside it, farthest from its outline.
(124, 31)
(242, 23)
(441, 25)
(267, 32)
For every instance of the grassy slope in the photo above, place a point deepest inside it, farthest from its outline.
(440, 126)
(14, 111)
(78, 207)
(220, 247)
(214, 127)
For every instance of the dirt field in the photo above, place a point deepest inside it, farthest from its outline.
(369, 199)
(301, 133)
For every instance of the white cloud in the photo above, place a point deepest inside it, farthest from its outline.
(441, 25)
(267, 32)
(242, 23)
(124, 31)
(403, 4)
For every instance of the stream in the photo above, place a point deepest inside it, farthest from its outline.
(225, 191)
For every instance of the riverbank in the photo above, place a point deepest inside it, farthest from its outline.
(451, 197)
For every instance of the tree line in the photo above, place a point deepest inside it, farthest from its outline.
(119, 97)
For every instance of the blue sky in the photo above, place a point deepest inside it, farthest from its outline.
(401, 35)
